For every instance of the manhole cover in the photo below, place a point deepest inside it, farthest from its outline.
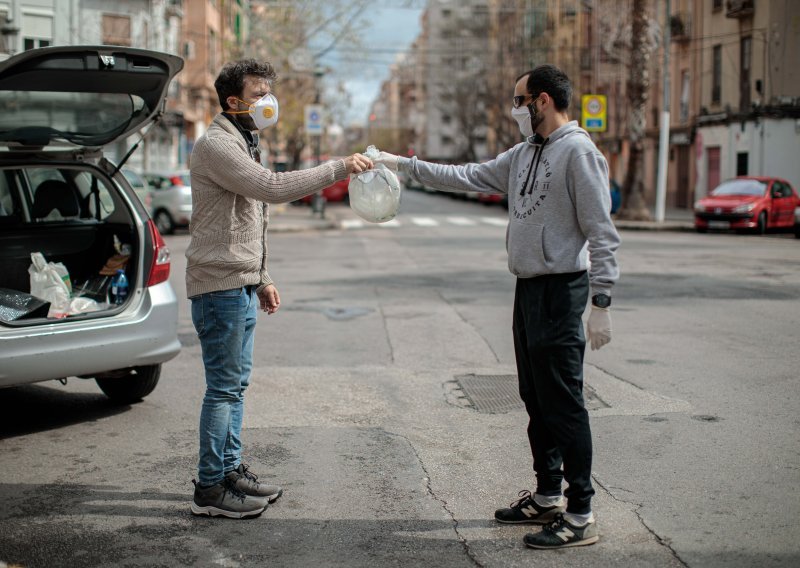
(493, 394)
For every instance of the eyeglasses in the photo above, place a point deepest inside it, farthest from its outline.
(519, 99)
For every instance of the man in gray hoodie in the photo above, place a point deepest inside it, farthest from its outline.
(559, 220)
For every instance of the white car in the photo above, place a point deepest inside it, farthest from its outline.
(59, 196)
(171, 199)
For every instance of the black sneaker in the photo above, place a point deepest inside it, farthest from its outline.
(247, 482)
(225, 500)
(526, 511)
(561, 534)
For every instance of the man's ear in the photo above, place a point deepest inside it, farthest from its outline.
(232, 103)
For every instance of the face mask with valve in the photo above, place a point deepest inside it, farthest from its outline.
(375, 193)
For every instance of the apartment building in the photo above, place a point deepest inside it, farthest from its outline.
(748, 120)
(734, 86)
(203, 32)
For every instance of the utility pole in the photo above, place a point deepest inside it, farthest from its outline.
(663, 143)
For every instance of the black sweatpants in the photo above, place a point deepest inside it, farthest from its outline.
(549, 344)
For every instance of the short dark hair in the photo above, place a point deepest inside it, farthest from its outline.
(230, 81)
(551, 80)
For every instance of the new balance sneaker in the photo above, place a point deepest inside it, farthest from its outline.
(526, 511)
(561, 534)
(225, 500)
(247, 482)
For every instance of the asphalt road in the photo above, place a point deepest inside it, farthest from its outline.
(366, 405)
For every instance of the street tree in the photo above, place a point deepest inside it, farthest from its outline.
(463, 92)
(637, 92)
(294, 36)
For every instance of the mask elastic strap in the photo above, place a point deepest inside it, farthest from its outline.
(240, 111)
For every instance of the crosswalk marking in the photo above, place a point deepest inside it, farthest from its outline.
(461, 221)
(350, 224)
(425, 222)
(496, 221)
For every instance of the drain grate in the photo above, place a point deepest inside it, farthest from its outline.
(492, 394)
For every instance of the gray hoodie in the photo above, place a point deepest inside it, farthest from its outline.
(558, 203)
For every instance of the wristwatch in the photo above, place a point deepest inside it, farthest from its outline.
(601, 300)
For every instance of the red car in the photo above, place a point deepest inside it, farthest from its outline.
(333, 193)
(753, 203)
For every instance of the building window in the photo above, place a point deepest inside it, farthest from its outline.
(716, 75)
(37, 30)
(4, 41)
(746, 51)
(212, 52)
(116, 30)
(716, 5)
(685, 95)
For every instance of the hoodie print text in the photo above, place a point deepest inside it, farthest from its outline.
(533, 197)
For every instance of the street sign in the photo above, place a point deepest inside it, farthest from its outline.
(593, 115)
(314, 118)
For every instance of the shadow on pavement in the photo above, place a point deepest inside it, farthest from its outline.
(35, 408)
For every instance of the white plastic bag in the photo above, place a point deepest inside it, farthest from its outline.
(50, 282)
(375, 193)
(83, 306)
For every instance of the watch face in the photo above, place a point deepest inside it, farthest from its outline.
(601, 300)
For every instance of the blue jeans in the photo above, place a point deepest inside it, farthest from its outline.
(225, 322)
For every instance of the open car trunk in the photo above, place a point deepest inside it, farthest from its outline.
(74, 215)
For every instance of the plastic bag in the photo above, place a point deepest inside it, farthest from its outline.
(375, 193)
(50, 282)
(83, 306)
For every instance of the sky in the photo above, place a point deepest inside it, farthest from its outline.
(390, 31)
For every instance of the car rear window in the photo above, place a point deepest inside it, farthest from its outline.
(86, 119)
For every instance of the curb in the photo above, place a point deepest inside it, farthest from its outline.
(654, 226)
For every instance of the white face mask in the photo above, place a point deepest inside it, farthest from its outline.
(523, 117)
(264, 111)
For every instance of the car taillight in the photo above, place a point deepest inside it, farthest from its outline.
(176, 180)
(159, 265)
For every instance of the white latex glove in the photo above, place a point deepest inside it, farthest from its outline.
(599, 327)
(388, 160)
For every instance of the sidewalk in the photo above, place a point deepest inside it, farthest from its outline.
(674, 220)
(287, 218)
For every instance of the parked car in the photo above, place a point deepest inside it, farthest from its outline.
(63, 198)
(172, 199)
(334, 193)
(337, 192)
(797, 223)
(490, 198)
(754, 203)
(141, 187)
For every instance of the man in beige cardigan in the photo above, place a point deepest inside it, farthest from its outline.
(227, 279)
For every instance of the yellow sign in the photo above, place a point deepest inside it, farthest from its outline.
(593, 113)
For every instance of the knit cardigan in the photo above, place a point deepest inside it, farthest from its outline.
(230, 193)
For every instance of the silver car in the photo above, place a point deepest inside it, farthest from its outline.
(59, 196)
(171, 199)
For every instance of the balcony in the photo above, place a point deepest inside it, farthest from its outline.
(739, 8)
(680, 27)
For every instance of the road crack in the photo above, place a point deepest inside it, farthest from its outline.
(429, 486)
(636, 511)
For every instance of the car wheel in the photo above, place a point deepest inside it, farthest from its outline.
(701, 229)
(164, 223)
(797, 231)
(761, 227)
(135, 386)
